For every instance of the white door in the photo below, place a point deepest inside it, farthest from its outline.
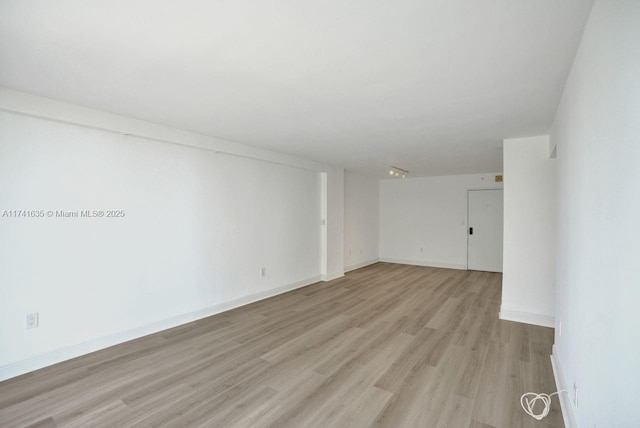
(484, 231)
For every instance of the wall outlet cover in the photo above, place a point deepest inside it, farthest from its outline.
(559, 328)
(32, 320)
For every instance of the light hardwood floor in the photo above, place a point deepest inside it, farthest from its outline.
(387, 345)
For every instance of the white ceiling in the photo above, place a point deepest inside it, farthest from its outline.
(432, 86)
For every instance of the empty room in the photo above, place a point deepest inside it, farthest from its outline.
(420, 213)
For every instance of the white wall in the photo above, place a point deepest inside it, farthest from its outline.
(597, 132)
(361, 220)
(199, 225)
(528, 281)
(423, 220)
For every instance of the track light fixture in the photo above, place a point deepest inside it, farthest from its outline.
(394, 171)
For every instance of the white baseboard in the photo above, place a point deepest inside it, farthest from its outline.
(424, 263)
(360, 265)
(332, 276)
(66, 353)
(527, 318)
(565, 402)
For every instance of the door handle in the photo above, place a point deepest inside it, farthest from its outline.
(471, 231)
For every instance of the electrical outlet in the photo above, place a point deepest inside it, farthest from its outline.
(360, 251)
(575, 395)
(349, 252)
(263, 271)
(32, 320)
(559, 328)
(422, 249)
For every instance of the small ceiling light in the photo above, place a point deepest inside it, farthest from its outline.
(398, 172)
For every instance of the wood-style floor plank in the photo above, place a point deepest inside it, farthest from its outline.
(387, 346)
